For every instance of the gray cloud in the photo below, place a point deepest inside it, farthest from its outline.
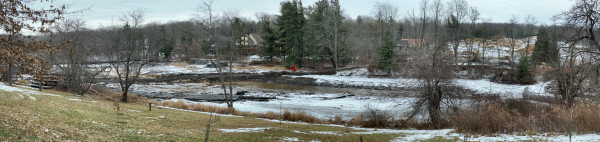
(170, 10)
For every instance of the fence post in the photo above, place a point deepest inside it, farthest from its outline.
(149, 106)
(207, 132)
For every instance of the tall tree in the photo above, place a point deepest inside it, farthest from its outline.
(473, 17)
(18, 50)
(77, 76)
(291, 23)
(335, 33)
(126, 49)
(314, 28)
(187, 41)
(511, 31)
(546, 49)
(530, 22)
(166, 43)
(457, 10)
(579, 26)
(386, 53)
(269, 47)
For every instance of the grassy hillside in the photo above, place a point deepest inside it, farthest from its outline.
(26, 116)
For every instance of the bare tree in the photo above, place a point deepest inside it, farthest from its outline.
(77, 75)
(424, 19)
(437, 8)
(125, 47)
(511, 30)
(386, 15)
(208, 19)
(237, 31)
(473, 16)
(335, 34)
(436, 89)
(484, 42)
(580, 26)
(530, 23)
(457, 9)
(133, 17)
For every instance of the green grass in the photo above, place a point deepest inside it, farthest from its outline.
(25, 119)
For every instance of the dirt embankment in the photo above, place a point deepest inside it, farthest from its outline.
(266, 77)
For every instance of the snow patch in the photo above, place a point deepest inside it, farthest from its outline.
(245, 130)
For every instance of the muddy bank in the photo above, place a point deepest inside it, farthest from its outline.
(269, 77)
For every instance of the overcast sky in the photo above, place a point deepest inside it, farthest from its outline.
(102, 11)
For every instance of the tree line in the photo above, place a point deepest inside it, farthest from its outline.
(307, 36)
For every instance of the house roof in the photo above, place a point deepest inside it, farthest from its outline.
(402, 43)
(255, 39)
(412, 42)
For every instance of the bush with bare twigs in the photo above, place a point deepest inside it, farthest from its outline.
(521, 116)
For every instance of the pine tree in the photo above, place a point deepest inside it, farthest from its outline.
(269, 45)
(545, 48)
(314, 29)
(187, 39)
(522, 73)
(291, 23)
(165, 42)
(386, 52)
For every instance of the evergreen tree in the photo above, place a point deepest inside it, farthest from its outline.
(165, 42)
(314, 29)
(522, 73)
(545, 48)
(269, 46)
(187, 39)
(386, 52)
(291, 23)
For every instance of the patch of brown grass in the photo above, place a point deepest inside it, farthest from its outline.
(288, 115)
(179, 64)
(105, 94)
(356, 121)
(175, 104)
(528, 118)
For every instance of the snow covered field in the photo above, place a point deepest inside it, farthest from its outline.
(410, 135)
(323, 106)
(482, 85)
(189, 69)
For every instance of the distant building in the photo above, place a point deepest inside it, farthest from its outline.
(405, 44)
(249, 44)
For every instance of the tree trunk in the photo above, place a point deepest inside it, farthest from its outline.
(434, 109)
(230, 101)
(456, 55)
(41, 78)
(124, 98)
(471, 54)
(10, 82)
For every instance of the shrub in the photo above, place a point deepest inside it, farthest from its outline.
(255, 62)
(520, 116)
(523, 72)
(375, 118)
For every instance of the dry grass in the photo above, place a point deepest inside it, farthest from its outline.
(528, 118)
(287, 115)
(62, 119)
(179, 64)
(110, 95)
